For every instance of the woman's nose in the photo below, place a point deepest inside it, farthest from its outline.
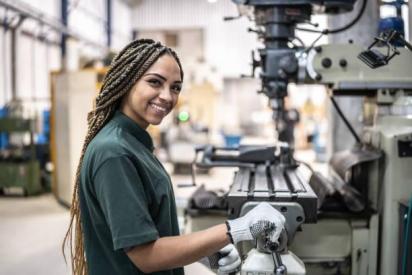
(166, 94)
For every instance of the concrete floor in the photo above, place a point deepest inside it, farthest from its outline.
(31, 234)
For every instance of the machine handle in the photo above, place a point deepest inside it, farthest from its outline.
(280, 268)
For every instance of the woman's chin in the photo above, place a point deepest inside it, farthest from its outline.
(155, 121)
(155, 118)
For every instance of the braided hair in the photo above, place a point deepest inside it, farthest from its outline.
(126, 68)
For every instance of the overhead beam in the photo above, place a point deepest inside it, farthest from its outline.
(28, 11)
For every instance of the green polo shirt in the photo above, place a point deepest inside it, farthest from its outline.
(126, 197)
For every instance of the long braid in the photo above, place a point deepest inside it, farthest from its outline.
(127, 67)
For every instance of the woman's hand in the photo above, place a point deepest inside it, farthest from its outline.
(226, 261)
(263, 219)
(230, 260)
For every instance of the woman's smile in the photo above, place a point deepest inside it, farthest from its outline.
(159, 109)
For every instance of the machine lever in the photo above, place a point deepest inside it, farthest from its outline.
(280, 268)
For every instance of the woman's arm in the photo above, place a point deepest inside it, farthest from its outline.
(171, 252)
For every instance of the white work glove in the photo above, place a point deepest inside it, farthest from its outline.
(227, 260)
(261, 219)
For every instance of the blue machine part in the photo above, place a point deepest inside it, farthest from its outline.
(4, 138)
(232, 141)
(392, 23)
(46, 122)
(44, 136)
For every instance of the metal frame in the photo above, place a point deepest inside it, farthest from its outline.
(28, 11)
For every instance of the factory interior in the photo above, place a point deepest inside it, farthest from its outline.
(304, 104)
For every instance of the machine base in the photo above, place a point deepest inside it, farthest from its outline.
(258, 263)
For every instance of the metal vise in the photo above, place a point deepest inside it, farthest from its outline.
(267, 174)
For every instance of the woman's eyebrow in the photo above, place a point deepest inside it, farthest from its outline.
(158, 75)
(162, 77)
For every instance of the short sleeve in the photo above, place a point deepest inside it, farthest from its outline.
(120, 192)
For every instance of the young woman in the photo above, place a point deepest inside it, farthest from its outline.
(123, 215)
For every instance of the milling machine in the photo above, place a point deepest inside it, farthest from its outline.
(349, 223)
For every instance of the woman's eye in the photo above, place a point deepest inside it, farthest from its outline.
(176, 88)
(154, 82)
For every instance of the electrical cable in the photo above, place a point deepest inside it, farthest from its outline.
(302, 44)
(312, 44)
(310, 47)
(342, 116)
(341, 29)
(406, 236)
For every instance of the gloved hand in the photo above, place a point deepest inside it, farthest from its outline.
(225, 261)
(261, 219)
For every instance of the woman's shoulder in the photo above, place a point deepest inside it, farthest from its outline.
(107, 144)
(100, 150)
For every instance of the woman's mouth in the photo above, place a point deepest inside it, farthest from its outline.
(158, 108)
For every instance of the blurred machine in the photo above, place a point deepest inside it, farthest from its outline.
(357, 209)
(19, 164)
(180, 140)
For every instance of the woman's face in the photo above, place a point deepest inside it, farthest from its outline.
(155, 94)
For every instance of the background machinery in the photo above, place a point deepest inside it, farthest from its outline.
(24, 153)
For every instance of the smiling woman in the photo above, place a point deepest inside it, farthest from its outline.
(144, 73)
(123, 215)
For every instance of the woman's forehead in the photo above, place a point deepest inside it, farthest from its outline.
(166, 65)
